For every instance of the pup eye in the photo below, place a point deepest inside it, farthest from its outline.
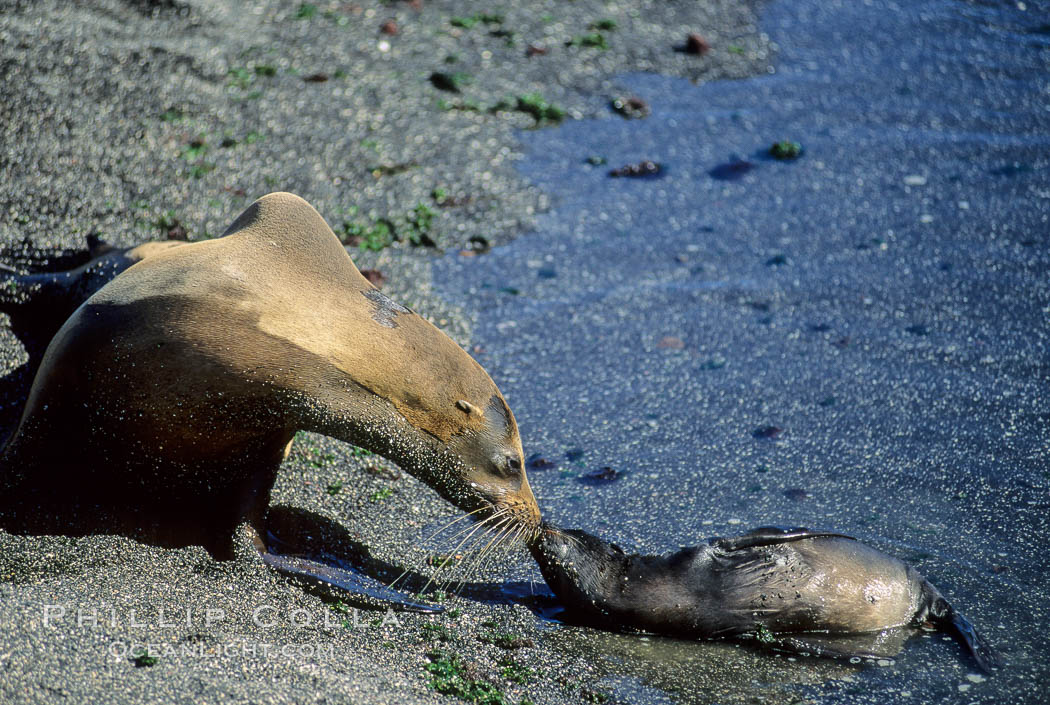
(514, 463)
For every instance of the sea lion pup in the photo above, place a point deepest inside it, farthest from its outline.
(167, 401)
(771, 584)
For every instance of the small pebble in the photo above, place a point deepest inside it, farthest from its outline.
(641, 170)
(670, 342)
(631, 107)
(695, 44)
(785, 150)
(767, 432)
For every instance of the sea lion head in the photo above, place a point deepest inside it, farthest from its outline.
(582, 569)
(449, 426)
(493, 463)
(405, 390)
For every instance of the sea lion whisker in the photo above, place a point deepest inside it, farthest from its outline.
(396, 580)
(498, 513)
(522, 530)
(445, 564)
(499, 542)
(496, 531)
(507, 541)
(472, 553)
(475, 532)
(504, 543)
(465, 576)
(443, 528)
(494, 541)
(455, 521)
(486, 551)
(525, 531)
(462, 569)
(534, 535)
(513, 541)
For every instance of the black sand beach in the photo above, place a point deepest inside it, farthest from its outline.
(837, 342)
(138, 120)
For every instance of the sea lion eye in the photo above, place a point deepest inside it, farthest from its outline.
(509, 465)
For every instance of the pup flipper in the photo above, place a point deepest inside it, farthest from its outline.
(771, 536)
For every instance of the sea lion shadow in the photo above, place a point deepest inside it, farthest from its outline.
(34, 329)
(533, 594)
(34, 315)
(293, 531)
(296, 532)
(14, 388)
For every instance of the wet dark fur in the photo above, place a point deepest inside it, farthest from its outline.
(770, 584)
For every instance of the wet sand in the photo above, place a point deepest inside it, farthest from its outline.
(138, 120)
(853, 341)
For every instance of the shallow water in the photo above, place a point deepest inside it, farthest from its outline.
(855, 340)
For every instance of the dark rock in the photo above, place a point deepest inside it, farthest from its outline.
(631, 107)
(374, 276)
(642, 170)
(601, 476)
(695, 44)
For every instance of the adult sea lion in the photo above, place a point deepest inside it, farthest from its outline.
(168, 399)
(776, 585)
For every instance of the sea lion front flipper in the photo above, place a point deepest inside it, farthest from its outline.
(348, 580)
(771, 536)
